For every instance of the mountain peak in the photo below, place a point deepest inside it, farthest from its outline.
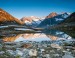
(66, 13)
(51, 15)
(30, 19)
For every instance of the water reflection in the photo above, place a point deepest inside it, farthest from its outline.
(25, 37)
(52, 44)
(49, 36)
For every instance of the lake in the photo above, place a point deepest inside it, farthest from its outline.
(48, 44)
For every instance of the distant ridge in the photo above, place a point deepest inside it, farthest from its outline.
(6, 17)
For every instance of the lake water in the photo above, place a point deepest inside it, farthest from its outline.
(49, 44)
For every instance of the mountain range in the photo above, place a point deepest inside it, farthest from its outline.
(33, 21)
(63, 21)
(53, 20)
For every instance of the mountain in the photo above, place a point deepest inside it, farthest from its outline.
(70, 19)
(29, 19)
(53, 14)
(54, 20)
(32, 20)
(68, 25)
(7, 18)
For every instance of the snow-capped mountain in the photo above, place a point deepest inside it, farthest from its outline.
(54, 20)
(70, 19)
(32, 20)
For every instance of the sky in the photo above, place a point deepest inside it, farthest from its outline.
(39, 8)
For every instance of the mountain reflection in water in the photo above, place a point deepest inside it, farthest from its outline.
(51, 35)
(52, 44)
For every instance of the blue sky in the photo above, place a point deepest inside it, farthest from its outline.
(21, 8)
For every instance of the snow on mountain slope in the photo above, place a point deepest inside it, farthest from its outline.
(54, 20)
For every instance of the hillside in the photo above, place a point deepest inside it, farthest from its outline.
(6, 17)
